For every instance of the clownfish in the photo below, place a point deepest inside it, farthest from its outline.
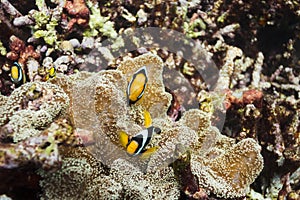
(137, 85)
(52, 72)
(17, 74)
(137, 144)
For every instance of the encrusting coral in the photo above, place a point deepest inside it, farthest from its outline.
(220, 166)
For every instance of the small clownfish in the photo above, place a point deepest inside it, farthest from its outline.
(52, 72)
(137, 85)
(136, 145)
(17, 74)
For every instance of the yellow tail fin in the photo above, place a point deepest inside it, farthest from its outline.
(124, 138)
(148, 152)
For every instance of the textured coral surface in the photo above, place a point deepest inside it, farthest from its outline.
(223, 87)
(106, 111)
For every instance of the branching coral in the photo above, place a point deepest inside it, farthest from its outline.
(26, 56)
(19, 51)
(99, 23)
(78, 11)
(46, 21)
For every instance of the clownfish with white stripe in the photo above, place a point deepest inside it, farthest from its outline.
(17, 74)
(51, 73)
(137, 144)
(137, 85)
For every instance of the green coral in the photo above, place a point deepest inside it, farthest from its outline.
(46, 21)
(189, 29)
(99, 23)
(48, 35)
(40, 4)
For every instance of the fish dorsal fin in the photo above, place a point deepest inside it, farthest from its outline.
(147, 119)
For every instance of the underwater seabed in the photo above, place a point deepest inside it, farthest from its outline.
(90, 109)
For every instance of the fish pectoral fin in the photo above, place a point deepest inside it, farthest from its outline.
(145, 154)
(124, 138)
(148, 119)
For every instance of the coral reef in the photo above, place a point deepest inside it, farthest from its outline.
(82, 176)
(42, 150)
(99, 23)
(28, 120)
(106, 111)
(19, 51)
(227, 174)
(33, 126)
(78, 12)
(26, 56)
(79, 174)
(254, 45)
(45, 22)
(30, 108)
